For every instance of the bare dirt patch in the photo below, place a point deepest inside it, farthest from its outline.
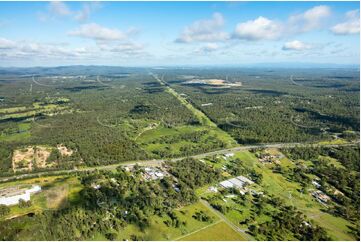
(23, 159)
(64, 151)
(57, 197)
(41, 155)
(26, 158)
(214, 82)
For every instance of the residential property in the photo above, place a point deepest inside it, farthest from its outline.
(320, 196)
(152, 173)
(228, 155)
(206, 104)
(267, 158)
(12, 195)
(212, 189)
(316, 184)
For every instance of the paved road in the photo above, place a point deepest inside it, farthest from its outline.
(158, 162)
(293, 81)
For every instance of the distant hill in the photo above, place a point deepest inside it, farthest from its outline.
(69, 70)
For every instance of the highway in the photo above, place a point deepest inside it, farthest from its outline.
(158, 162)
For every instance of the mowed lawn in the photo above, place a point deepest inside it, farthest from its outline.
(216, 232)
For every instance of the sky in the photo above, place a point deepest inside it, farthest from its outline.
(178, 33)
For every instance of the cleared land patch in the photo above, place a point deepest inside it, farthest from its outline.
(30, 157)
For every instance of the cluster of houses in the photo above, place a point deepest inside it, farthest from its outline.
(12, 195)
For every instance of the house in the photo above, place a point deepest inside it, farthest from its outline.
(12, 195)
(228, 155)
(96, 186)
(230, 196)
(206, 104)
(268, 158)
(153, 173)
(320, 196)
(176, 187)
(212, 189)
(316, 184)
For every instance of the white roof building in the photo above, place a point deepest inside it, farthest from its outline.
(12, 195)
(226, 184)
(237, 183)
(212, 189)
(229, 155)
(245, 179)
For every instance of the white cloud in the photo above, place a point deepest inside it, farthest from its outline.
(211, 47)
(207, 30)
(207, 49)
(309, 20)
(59, 8)
(6, 44)
(111, 40)
(263, 28)
(257, 29)
(350, 26)
(296, 45)
(128, 48)
(98, 33)
(11, 50)
(87, 9)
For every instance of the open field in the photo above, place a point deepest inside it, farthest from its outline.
(159, 231)
(173, 142)
(220, 231)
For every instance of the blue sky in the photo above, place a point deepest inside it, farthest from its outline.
(178, 33)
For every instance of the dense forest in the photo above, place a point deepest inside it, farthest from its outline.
(269, 107)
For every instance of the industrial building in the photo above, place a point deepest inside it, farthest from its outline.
(12, 195)
(237, 182)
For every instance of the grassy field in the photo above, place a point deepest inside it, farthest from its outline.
(37, 108)
(159, 231)
(217, 232)
(154, 140)
(23, 133)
